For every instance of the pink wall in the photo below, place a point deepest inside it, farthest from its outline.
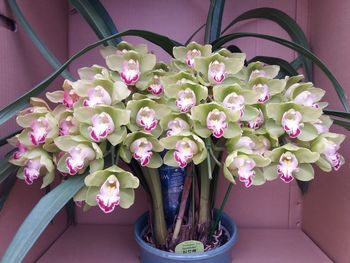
(273, 205)
(326, 213)
(21, 67)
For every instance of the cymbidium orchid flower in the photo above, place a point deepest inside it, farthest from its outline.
(216, 72)
(258, 70)
(184, 152)
(288, 164)
(256, 73)
(177, 126)
(39, 130)
(190, 55)
(130, 72)
(156, 87)
(190, 52)
(122, 48)
(31, 170)
(186, 100)
(141, 150)
(331, 154)
(68, 97)
(257, 122)
(68, 126)
(102, 126)
(146, 118)
(216, 121)
(234, 102)
(263, 91)
(21, 149)
(78, 159)
(97, 96)
(292, 122)
(109, 195)
(245, 169)
(306, 98)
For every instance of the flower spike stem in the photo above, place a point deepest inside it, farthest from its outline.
(159, 225)
(218, 217)
(208, 146)
(204, 209)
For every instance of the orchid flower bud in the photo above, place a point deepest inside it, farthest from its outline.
(79, 156)
(102, 126)
(146, 118)
(130, 72)
(40, 129)
(184, 152)
(31, 170)
(186, 100)
(97, 96)
(263, 91)
(288, 164)
(190, 55)
(142, 150)
(109, 195)
(292, 122)
(177, 126)
(216, 72)
(216, 121)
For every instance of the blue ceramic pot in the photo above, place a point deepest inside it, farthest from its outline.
(149, 254)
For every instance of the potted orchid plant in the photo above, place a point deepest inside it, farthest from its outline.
(208, 113)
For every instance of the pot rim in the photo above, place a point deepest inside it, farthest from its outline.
(227, 222)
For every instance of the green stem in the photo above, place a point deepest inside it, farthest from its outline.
(218, 216)
(159, 225)
(204, 209)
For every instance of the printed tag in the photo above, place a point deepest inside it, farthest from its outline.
(189, 246)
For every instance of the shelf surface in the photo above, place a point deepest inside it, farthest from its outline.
(115, 243)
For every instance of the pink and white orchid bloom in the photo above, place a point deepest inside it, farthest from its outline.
(288, 164)
(109, 195)
(216, 121)
(156, 88)
(177, 126)
(97, 96)
(246, 143)
(70, 98)
(292, 122)
(142, 150)
(216, 72)
(190, 55)
(331, 154)
(263, 91)
(31, 171)
(257, 122)
(245, 170)
(67, 126)
(40, 129)
(234, 102)
(306, 98)
(186, 100)
(184, 152)
(78, 158)
(130, 72)
(21, 149)
(146, 118)
(102, 126)
(256, 74)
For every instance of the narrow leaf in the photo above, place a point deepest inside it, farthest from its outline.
(214, 19)
(10, 110)
(286, 22)
(40, 217)
(341, 94)
(6, 169)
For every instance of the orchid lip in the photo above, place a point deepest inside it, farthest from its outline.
(97, 96)
(70, 98)
(288, 164)
(109, 195)
(216, 72)
(102, 126)
(66, 126)
(185, 150)
(130, 73)
(31, 171)
(263, 91)
(177, 126)
(331, 154)
(292, 122)
(186, 100)
(40, 130)
(257, 122)
(234, 102)
(142, 151)
(77, 158)
(21, 149)
(245, 169)
(146, 118)
(216, 121)
(190, 55)
(156, 88)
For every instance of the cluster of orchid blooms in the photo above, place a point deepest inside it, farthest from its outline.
(271, 127)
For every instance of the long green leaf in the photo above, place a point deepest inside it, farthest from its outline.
(51, 59)
(341, 94)
(214, 19)
(6, 169)
(286, 22)
(8, 184)
(342, 114)
(98, 18)
(285, 66)
(10, 110)
(40, 217)
(194, 33)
